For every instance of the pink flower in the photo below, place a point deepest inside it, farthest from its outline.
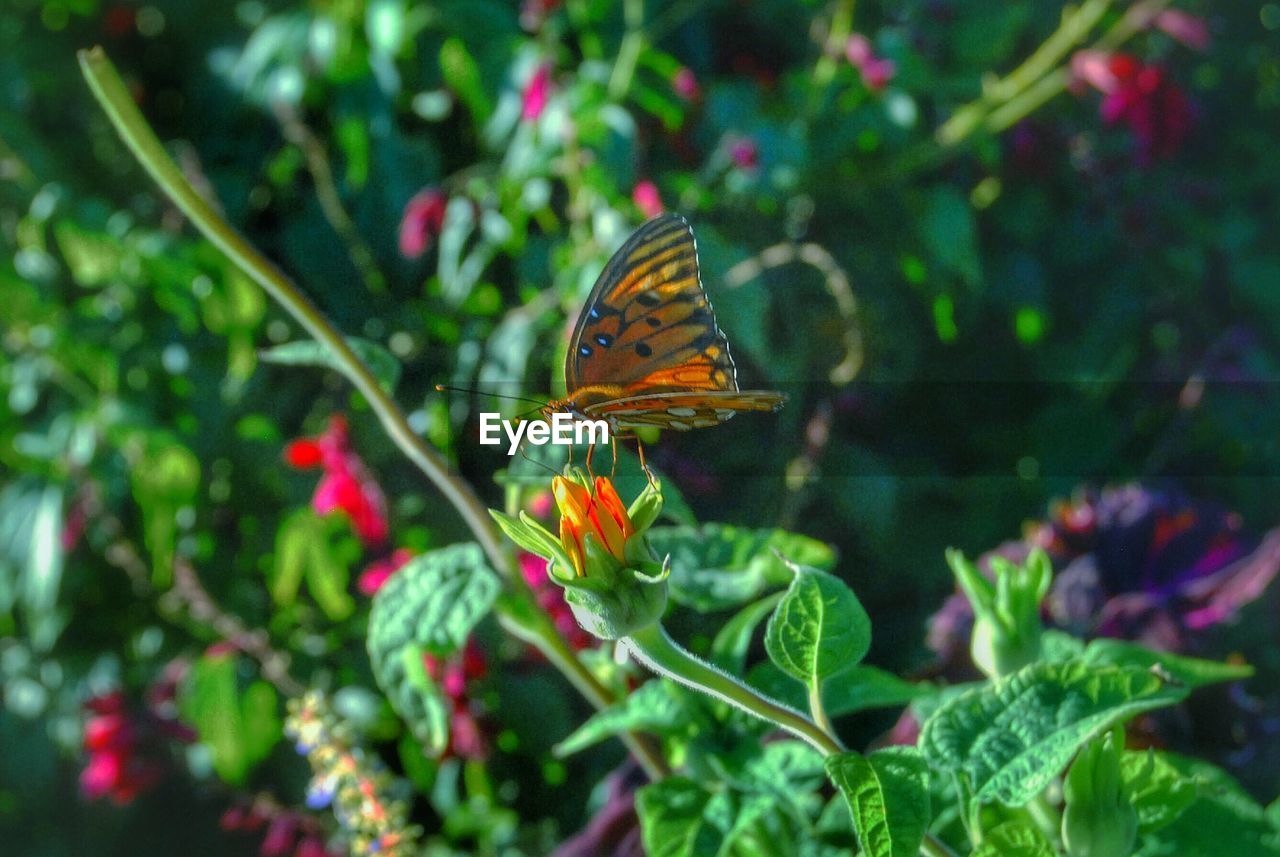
(645, 196)
(379, 571)
(534, 98)
(1094, 68)
(542, 504)
(876, 71)
(1189, 29)
(422, 221)
(345, 485)
(685, 84)
(744, 153)
(454, 675)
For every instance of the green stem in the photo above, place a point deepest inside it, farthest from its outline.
(624, 67)
(932, 846)
(1046, 817)
(116, 102)
(817, 710)
(655, 649)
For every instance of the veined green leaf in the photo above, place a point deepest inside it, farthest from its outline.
(308, 352)
(1223, 819)
(1159, 791)
(1012, 737)
(1192, 672)
(717, 566)
(656, 706)
(673, 820)
(429, 606)
(888, 795)
(818, 629)
(1014, 839)
(859, 688)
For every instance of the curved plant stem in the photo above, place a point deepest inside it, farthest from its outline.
(656, 650)
(521, 618)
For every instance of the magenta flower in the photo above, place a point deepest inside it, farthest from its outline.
(534, 98)
(422, 221)
(744, 153)
(551, 599)
(876, 71)
(124, 750)
(379, 571)
(1143, 97)
(455, 675)
(345, 485)
(645, 196)
(685, 84)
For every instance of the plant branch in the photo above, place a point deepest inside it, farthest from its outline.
(654, 648)
(537, 628)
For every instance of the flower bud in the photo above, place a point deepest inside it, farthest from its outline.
(1099, 819)
(612, 582)
(1006, 626)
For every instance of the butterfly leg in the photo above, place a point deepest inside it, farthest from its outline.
(613, 445)
(591, 449)
(648, 474)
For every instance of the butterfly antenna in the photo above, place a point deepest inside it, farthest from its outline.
(444, 388)
(532, 460)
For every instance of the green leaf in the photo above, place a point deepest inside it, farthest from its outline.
(950, 231)
(858, 688)
(717, 566)
(729, 648)
(1014, 839)
(320, 551)
(1192, 672)
(656, 706)
(165, 479)
(1223, 820)
(429, 606)
(308, 352)
(239, 731)
(888, 795)
(462, 76)
(818, 629)
(1012, 737)
(1160, 793)
(673, 819)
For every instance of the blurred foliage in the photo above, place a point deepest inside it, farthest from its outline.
(1030, 306)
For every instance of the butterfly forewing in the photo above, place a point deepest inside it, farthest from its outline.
(647, 325)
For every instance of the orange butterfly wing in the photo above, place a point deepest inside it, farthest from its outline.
(646, 349)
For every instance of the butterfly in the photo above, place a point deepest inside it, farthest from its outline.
(646, 350)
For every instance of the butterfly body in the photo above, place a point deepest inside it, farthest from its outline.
(646, 350)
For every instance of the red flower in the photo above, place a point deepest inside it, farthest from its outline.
(534, 98)
(645, 196)
(379, 571)
(121, 763)
(1143, 97)
(346, 485)
(422, 221)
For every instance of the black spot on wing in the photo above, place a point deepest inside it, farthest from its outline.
(643, 349)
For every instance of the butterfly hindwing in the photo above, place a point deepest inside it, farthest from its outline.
(647, 325)
(684, 411)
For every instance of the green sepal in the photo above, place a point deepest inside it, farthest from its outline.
(614, 600)
(646, 508)
(1099, 819)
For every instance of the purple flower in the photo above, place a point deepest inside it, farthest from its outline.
(615, 829)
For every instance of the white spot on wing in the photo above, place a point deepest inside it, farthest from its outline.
(681, 412)
(676, 424)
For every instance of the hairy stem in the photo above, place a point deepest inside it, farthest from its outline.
(654, 648)
(536, 629)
